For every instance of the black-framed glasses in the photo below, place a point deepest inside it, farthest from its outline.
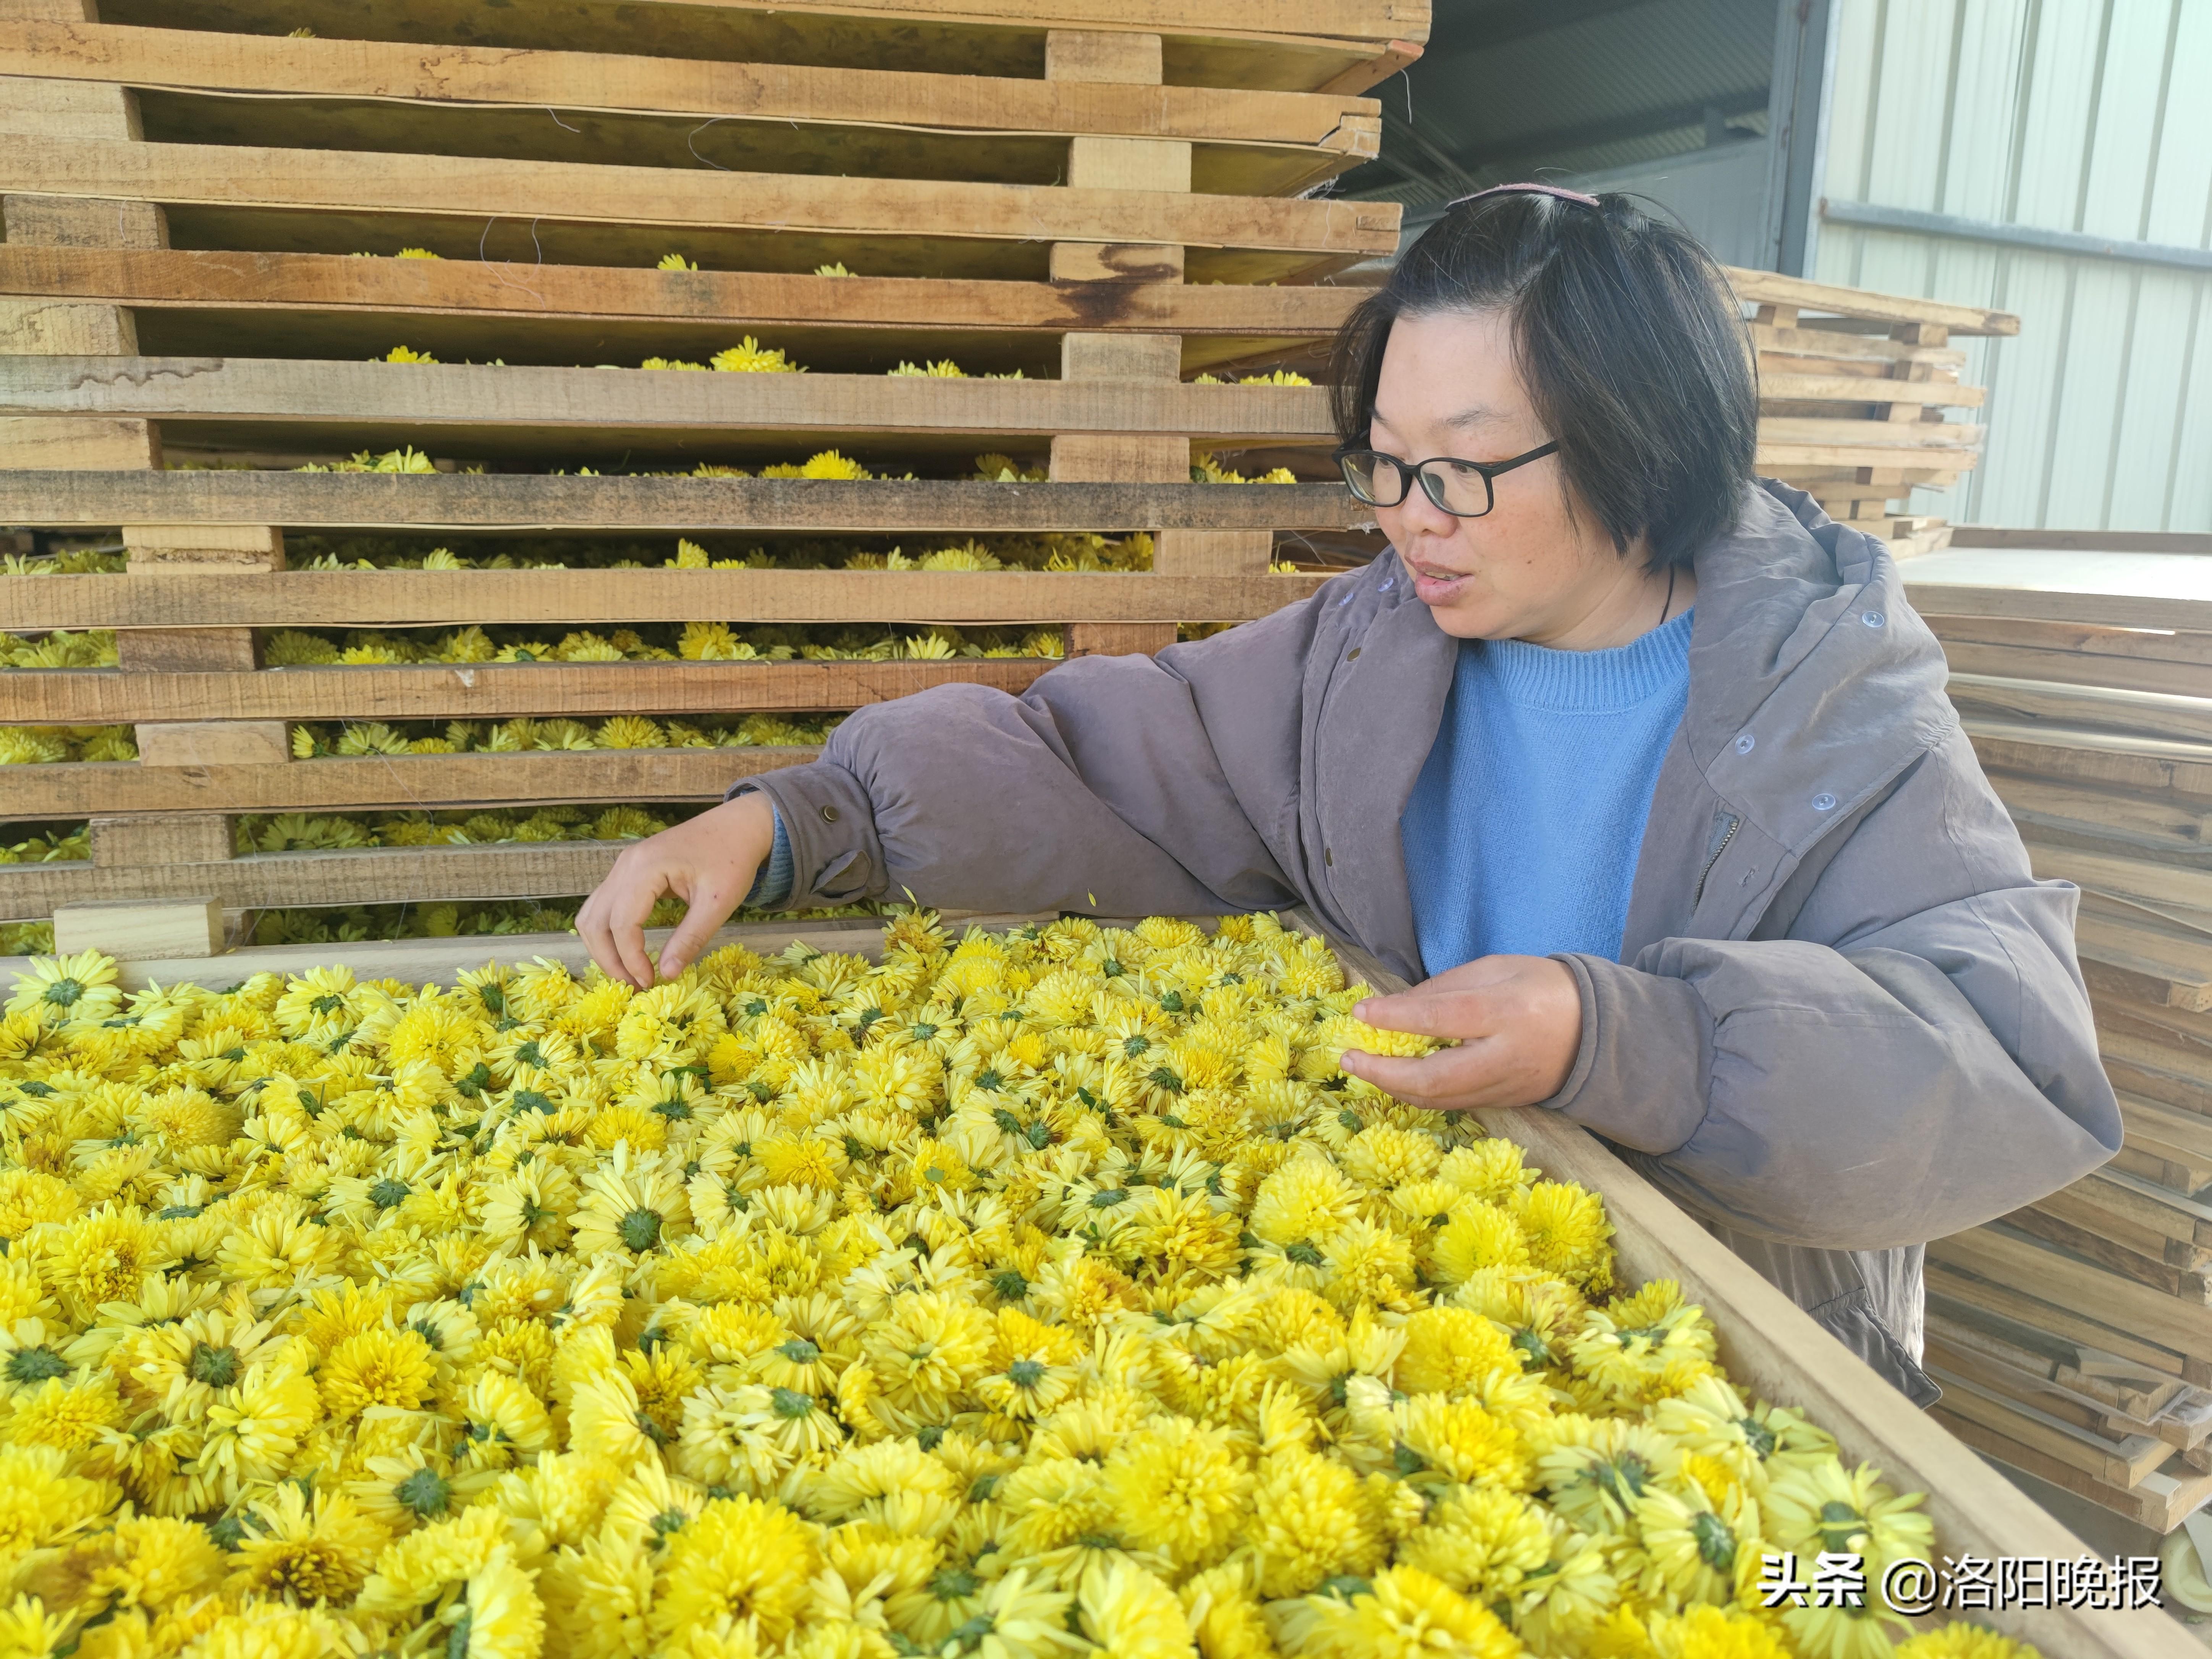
(1462, 488)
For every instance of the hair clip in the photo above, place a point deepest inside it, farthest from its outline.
(1525, 189)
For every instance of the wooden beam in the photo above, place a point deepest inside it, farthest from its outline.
(1771, 287)
(334, 284)
(2059, 605)
(2146, 713)
(475, 396)
(494, 501)
(438, 782)
(266, 881)
(409, 691)
(368, 181)
(379, 598)
(2144, 766)
(1868, 389)
(981, 107)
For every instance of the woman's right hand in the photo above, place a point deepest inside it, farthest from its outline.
(708, 862)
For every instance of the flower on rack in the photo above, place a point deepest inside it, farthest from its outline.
(1015, 1296)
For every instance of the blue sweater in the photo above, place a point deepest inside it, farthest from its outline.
(1566, 744)
(1523, 829)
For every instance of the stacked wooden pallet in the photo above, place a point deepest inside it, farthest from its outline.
(1857, 395)
(2074, 1337)
(1102, 196)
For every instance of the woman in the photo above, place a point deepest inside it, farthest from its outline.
(1645, 763)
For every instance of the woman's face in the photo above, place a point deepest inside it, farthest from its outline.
(1528, 568)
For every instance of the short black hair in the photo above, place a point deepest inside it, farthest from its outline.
(1627, 336)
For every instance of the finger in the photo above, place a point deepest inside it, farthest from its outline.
(710, 907)
(1464, 1013)
(592, 928)
(629, 899)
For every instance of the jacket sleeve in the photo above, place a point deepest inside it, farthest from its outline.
(1917, 1057)
(1123, 786)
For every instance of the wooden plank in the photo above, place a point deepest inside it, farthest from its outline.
(2010, 1258)
(2147, 714)
(2148, 766)
(367, 181)
(1771, 287)
(1874, 353)
(2122, 1464)
(2159, 966)
(441, 961)
(428, 781)
(2106, 610)
(176, 928)
(375, 599)
(2113, 647)
(2089, 541)
(2156, 825)
(338, 284)
(2160, 1505)
(2118, 673)
(486, 691)
(1856, 389)
(201, 60)
(1949, 1286)
(264, 881)
(474, 396)
(494, 501)
(1927, 442)
(2143, 880)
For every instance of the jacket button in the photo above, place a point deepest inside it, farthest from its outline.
(1746, 743)
(1873, 618)
(829, 815)
(1352, 654)
(1824, 802)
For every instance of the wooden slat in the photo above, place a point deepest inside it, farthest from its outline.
(2160, 826)
(375, 599)
(1851, 388)
(1771, 287)
(2146, 713)
(384, 875)
(1949, 1286)
(1929, 443)
(2144, 881)
(2103, 609)
(2163, 968)
(397, 781)
(80, 696)
(440, 961)
(477, 397)
(2009, 1259)
(1873, 352)
(492, 502)
(2080, 668)
(2144, 766)
(199, 60)
(367, 181)
(336, 283)
(1926, 464)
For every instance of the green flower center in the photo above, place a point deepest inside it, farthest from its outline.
(1135, 1045)
(388, 1192)
(640, 1229)
(457, 1639)
(952, 1584)
(1107, 1198)
(1163, 1078)
(1716, 1543)
(1025, 1373)
(35, 1365)
(217, 1367)
(425, 1492)
(800, 1351)
(1839, 1524)
(530, 1099)
(1305, 1254)
(1760, 1438)
(326, 1004)
(1010, 1285)
(789, 1404)
(63, 992)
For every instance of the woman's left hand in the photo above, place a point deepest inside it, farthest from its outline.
(1518, 1021)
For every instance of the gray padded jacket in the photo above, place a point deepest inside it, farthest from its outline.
(1846, 1019)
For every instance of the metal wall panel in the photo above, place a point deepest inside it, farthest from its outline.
(2068, 115)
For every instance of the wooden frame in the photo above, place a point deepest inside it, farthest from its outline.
(1771, 1347)
(399, 598)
